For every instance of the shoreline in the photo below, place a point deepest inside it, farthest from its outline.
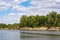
(35, 29)
(41, 28)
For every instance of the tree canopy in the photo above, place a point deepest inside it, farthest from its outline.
(49, 20)
(52, 19)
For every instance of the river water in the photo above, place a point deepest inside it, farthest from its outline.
(29, 35)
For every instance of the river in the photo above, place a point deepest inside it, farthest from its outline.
(29, 35)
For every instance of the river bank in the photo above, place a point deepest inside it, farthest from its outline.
(40, 28)
(35, 28)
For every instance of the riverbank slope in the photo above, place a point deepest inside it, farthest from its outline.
(40, 28)
(30, 28)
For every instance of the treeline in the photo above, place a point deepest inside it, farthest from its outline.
(9, 26)
(52, 19)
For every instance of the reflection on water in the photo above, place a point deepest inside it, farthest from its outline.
(40, 35)
(9, 35)
(29, 35)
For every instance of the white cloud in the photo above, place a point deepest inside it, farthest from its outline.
(10, 19)
(57, 0)
(8, 4)
(42, 3)
(20, 14)
(20, 0)
(20, 8)
(12, 14)
(16, 0)
(4, 5)
(38, 7)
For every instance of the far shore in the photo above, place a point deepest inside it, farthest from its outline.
(40, 28)
(35, 28)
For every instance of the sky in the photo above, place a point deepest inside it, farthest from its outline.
(12, 10)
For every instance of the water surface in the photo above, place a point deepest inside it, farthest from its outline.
(29, 35)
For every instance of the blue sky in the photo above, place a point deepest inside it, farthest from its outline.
(12, 10)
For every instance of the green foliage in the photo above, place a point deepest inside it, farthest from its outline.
(23, 21)
(9, 26)
(2, 25)
(51, 19)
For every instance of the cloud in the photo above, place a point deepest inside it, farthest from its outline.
(10, 19)
(36, 7)
(19, 8)
(11, 14)
(57, 0)
(4, 6)
(20, 0)
(39, 7)
(16, 0)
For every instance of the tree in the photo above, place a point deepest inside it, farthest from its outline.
(23, 21)
(2, 25)
(58, 20)
(52, 19)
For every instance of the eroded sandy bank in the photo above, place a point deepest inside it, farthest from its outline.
(40, 28)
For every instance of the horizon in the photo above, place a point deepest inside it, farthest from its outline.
(12, 10)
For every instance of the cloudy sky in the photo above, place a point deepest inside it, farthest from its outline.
(12, 10)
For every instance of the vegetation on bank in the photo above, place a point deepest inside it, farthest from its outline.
(9, 26)
(52, 19)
